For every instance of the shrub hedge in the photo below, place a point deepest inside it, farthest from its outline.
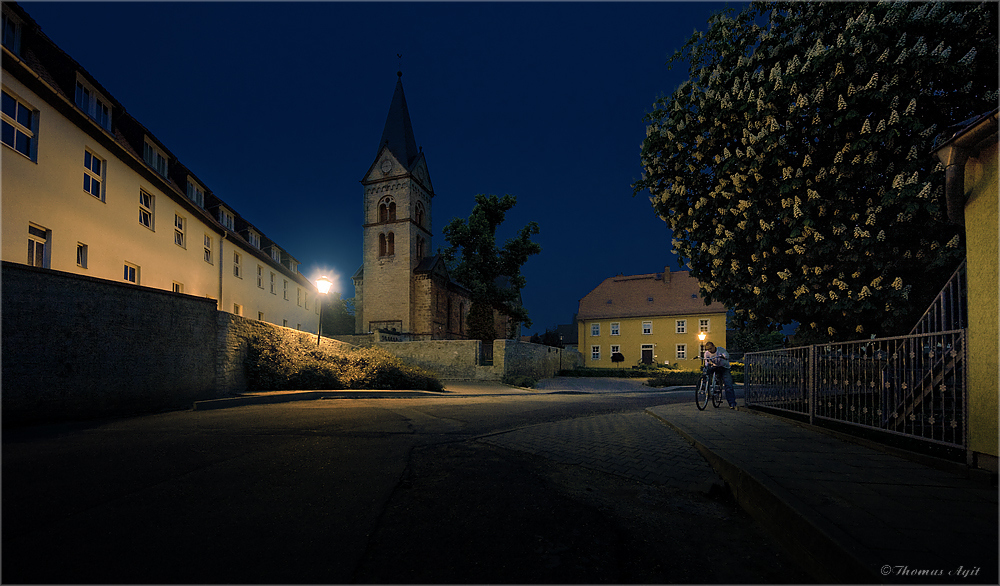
(273, 364)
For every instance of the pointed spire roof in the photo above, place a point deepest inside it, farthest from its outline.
(398, 131)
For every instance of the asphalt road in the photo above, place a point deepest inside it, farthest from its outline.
(574, 487)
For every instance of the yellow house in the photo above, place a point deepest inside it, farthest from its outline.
(970, 158)
(652, 318)
(87, 189)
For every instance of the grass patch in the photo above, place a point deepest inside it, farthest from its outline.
(275, 364)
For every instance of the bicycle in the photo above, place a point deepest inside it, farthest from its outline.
(708, 387)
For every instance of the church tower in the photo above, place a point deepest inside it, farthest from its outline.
(397, 225)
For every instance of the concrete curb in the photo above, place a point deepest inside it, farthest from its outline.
(781, 513)
(285, 397)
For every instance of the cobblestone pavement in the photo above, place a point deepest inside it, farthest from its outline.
(633, 445)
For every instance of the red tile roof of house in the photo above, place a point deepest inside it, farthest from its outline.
(655, 294)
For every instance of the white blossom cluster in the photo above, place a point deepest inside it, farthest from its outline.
(794, 151)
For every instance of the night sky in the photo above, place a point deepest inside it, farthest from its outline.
(279, 107)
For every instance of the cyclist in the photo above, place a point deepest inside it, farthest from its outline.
(718, 361)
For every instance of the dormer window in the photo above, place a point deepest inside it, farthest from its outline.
(253, 238)
(93, 104)
(11, 32)
(195, 193)
(276, 253)
(227, 219)
(155, 158)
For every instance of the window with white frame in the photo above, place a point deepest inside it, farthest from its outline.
(227, 219)
(253, 238)
(237, 309)
(38, 246)
(93, 104)
(595, 352)
(307, 300)
(93, 174)
(195, 193)
(237, 265)
(179, 236)
(155, 158)
(615, 329)
(208, 249)
(616, 349)
(276, 253)
(681, 351)
(285, 294)
(145, 209)
(703, 325)
(81, 255)
(298, 296)
(178, 287)
(647, 327)
(682, 326)
(273, 292)
(131, 273)
(260, 277)
(11, 32)
(20, 124)
(701, 351)
(260, 315)
(595, 329)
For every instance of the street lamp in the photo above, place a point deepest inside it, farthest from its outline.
(323, 286)
(701, 338)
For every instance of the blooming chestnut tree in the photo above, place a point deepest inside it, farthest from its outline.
(794, 167)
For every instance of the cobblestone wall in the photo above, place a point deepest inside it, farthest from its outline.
(76, 347)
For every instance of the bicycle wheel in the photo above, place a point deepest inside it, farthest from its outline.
(716, 392)
(701, 394)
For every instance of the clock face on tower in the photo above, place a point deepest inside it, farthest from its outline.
(386, 166)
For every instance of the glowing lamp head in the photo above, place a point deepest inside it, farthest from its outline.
(701, 336)
(323, 284)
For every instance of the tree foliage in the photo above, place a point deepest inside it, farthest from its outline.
(492, 275)
(794, 166)
(338, 315)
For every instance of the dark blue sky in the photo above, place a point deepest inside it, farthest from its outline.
(279, 108)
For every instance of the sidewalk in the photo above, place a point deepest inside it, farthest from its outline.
(856, 514)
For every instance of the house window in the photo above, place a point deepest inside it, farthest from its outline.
(647, 327)
(227, 219)
(131, 273)
(703, 325)
(93, 105)
(284, 323)
(11, 33)
(146, 209)
(298, 296)
(285, 287)
(701, 351)
(208, 249)
(276, 253)
(178, 287)
(273, 292)
(595, 352)
(307, 300)
(595, 329)
(155, 158)
(81, 255)
(682, 326)
(237, 309)
(93, 174)
(681, 351)
(195, 193)
(38, 244)
(19, 125)
(260, 315)
(615, 330)
(179, 231)
(615, 350)
(260, 278)
(237, 265)
(253, 238)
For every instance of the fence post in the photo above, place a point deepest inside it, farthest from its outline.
(811, 383)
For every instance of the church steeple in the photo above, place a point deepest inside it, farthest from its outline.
(398, 131)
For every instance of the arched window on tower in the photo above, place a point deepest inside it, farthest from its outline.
(420, 214)
(383, 212)
(386, 210)
(420, 247)
(392, 211)
(381, 244)
(391, 244)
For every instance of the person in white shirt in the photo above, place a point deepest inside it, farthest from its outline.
(718, 361)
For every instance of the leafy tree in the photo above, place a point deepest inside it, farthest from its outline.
(492, 275)
(548, 338)
(794, 165)
(338, 315)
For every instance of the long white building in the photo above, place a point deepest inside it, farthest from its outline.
(87, 189)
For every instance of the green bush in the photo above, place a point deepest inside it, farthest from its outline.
(519, 381)
(674, 378)
(273, 363)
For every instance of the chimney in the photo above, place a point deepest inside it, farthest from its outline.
(666, 275)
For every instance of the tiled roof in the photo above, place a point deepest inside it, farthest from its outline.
(654, 294)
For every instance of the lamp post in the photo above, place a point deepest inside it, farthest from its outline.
(701, 338)
(323, 286)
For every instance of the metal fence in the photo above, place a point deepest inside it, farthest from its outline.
(948, 311)
(909, 385)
